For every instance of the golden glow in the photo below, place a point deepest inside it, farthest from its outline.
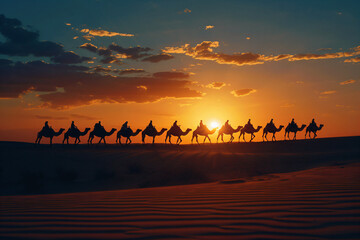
(214, 124)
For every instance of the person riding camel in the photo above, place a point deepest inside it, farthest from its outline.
(313, 123)
(293, 124)
(227, 125)
(124, 126)
(201, 126)
(175, 126)
(46, 126)
(73, 127)
(98, 126)
(271, 123)
(151, 126)
(249, 125)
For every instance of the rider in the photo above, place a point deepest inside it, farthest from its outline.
(249, 124)
(73, 127)
(124, 126)
(201, 124)
(151, 125)
(313, 123)
(293, 124)
(175, 126)
(46, 126)
(98, 126)
(271, 123)
(227, 125)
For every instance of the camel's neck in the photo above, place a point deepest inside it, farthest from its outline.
(161, 132)
(136, 133)
(84, 132)
(279, 129)
(58, 133)
(109, 133)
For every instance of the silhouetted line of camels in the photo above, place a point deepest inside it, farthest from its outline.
(175, 130)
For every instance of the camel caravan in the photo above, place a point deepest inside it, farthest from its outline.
(175, 131)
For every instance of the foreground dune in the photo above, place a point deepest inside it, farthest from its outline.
(318, 203)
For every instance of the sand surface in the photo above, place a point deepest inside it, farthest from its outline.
(318, 203)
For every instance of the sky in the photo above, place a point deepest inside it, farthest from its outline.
(136, 61)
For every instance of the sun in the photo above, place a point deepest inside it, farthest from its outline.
(214, 124)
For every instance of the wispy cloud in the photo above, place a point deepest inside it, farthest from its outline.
(216, 85)
(209, 27)
(205, 51)
(104, 33)
(243, 92)
(186, 10)
(352, 60)
(347, 82)
(328, 92)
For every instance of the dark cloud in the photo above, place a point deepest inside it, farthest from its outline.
(158, 58)
(171, 75)
(205, 51)
(69, 58)
(61, 86)
(90, 47)
(129, 71)
(131, 52)
(23, 42)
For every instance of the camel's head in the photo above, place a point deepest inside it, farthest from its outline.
(321, 126)
(281, 126)
(113, 130)
(61, 130)
(188, 130)
(87, 129)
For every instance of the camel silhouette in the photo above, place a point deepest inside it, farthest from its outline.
(313, 129)
(270, 128)
(229, 131)
(177, 132)
(101, 133)
(202, 132)
(49, 133)
(293, 128)
(74, 133)
(249, 129)
(127, 133)
(151, 132)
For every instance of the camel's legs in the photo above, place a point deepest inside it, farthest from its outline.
(208, 138)
(153, 140)
(294, 136)
(204, 139)
(169, 139)
(180, 140)
(51, 141)
(244, 137)
(222, 137)
(273, 137)
(197, 139)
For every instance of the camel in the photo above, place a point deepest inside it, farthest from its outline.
(293, 129)
(50, 133)
(202, 132)
(271, 129)
(313, 129)
(177, 132)
(127, 133)
(75, 134)
(152, 132)
(101, 133)
(229, 131)
(249, 129)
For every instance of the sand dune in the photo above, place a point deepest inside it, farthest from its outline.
(319, 203)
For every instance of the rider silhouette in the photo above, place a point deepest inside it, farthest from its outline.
(46, 126)
(73, 127)
(124, 126)
(249, 124)
(151, 125)
(98, 126)
(175, 125)
(293, 124)
(313, 123)
(227, 125)
(271, 123)
(201, 124)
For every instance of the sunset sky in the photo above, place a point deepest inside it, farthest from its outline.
(137, 61)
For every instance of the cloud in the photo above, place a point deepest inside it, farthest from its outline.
(243, 92)
(171, 75)
(129, 71)
(20, 41)
(347, 82)
(61, 86)
(328, 92)
(104, 33)
(352, 60)
(209, 27)
(90, 47)
(216, 85)
(131, 52)
(205, 51)
(324, 49)
(69, 58)
(158, 58)
(186, 10)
